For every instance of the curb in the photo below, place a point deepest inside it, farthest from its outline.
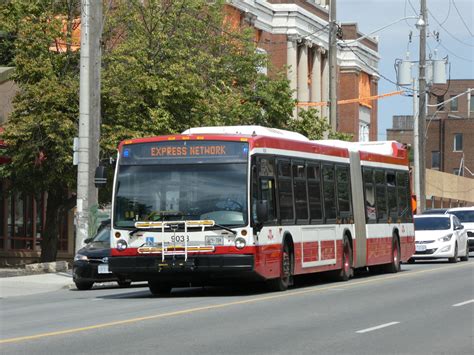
(36, 269)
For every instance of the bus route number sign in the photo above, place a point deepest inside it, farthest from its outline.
(177, 152)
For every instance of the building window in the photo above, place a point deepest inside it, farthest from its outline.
(471, 102)
(435, 160)
(454, 103)
(439, 102)
(458, 142)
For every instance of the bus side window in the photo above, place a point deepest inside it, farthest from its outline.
(370, 210)
(381, 196)
(392, 195)
(314, 192)
(267, 192)
(301, 196)
(263, 183)
(404, 209)
(343, 184)
(285, 191)
(329, 192)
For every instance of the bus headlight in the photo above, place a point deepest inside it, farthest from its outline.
(239, 242)
(122, 245)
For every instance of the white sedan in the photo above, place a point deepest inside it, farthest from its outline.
(440, 236)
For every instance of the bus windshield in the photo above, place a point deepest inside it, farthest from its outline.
(181, 192)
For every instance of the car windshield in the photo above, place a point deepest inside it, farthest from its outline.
(102, 236)
(434, 211)
(182, 192)
(432, 223)
(464, 216)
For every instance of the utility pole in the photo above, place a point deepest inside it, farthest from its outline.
(89, 116)
(421, 203)
(332, 65)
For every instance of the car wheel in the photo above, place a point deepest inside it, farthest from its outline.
(124, 284)
(159, 288)
(282, 282)
(411, 261)
(454, 259)
(466, 257)
(83, 285)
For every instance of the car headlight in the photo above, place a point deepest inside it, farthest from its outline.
(80, 257)
(446, 238)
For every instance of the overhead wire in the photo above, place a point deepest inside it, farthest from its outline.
(462, 19)
(448, 32)
(370, 66)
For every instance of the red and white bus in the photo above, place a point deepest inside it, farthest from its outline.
(248, 202)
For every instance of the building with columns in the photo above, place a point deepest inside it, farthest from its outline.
(295, 36)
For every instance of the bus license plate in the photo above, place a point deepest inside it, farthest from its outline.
(420, 247)
(104, 269)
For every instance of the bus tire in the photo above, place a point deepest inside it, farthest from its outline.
(159, 288)
(347, 271)
(394, 265)
(282, 282)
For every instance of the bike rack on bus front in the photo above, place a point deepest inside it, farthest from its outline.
(174, 226)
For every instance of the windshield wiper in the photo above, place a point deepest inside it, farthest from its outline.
(225, 228)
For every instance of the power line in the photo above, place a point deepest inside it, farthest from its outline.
(376, 71)
(448, 32)
(462, 19)
(454, 54)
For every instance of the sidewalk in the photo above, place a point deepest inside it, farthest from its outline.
(33, 284)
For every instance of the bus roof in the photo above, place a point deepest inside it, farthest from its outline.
(264, 137)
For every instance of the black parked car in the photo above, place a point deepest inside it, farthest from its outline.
(91, 262)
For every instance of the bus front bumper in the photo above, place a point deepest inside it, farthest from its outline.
(202, 266)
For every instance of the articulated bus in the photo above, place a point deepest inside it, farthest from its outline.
(222, 204)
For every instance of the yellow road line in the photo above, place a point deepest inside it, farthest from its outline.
(223, 305)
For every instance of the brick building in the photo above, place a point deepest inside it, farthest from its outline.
(294, 33)
(449, 148)
(450, 129)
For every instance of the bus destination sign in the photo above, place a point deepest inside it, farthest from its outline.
(184, 152)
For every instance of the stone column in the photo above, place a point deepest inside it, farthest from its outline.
(303, 92)
(292, 62)
(316, 77)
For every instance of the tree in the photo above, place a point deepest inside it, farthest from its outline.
(175, 65)
(41, 128)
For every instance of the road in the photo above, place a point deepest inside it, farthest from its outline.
(428, 308)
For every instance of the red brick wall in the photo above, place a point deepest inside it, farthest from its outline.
(441, 138)
(349, 113)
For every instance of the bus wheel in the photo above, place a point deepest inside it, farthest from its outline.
(394, 265)
(159, 288)
(281, 283)
(346, 271)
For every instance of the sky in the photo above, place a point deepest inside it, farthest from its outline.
(456, 34)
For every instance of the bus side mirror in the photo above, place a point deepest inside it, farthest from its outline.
(100, 178)
(262, 211)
